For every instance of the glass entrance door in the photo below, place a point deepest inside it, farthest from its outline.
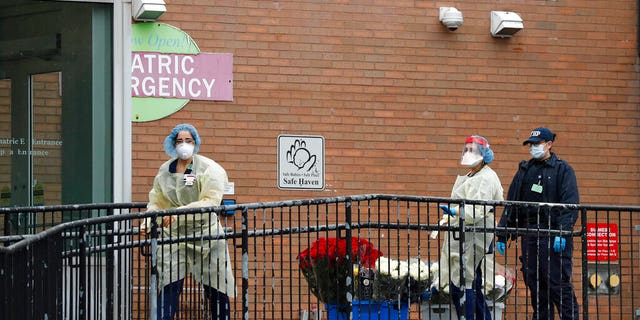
(55, 103)
(45, 150)
(30, 139)
(5, 142)
(30, 147)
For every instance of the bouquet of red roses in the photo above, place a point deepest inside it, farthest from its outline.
(325, 266)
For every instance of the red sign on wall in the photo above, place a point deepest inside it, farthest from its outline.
(602, 242)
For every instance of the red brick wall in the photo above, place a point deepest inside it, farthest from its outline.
(394, 93)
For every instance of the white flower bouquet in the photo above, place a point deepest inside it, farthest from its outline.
(400, 279)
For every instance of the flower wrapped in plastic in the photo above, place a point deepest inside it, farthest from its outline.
(496, 288)
(390, 276)
(419, 278)
(326, 268)
(400, 280)
(503, 283)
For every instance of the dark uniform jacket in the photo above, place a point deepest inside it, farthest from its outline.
(558, 186)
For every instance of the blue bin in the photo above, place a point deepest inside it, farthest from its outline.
(370, 310)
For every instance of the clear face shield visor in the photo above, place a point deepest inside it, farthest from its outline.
(471, 155)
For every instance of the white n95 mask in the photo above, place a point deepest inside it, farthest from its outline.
(471, 156)
(470, 159)
(185, 150)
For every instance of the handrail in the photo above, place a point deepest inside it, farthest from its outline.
(29, 239)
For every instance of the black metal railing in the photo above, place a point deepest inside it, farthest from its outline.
(102, 267)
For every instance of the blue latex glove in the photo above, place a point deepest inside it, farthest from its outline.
(448, 210)
(425, 295)
(501, 247)
(559, 243)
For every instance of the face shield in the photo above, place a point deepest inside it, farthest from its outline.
(476, 149)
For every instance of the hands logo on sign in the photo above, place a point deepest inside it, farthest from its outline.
(300, 156)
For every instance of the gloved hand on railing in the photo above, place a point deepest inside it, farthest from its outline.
(559, 243)
(448, 210)
(447, 213)
(501, 247)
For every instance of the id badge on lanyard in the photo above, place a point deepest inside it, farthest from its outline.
(537, 187)
(189, 179)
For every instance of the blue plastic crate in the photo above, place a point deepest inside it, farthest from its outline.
(370, 310)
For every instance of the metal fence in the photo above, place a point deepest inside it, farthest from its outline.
(56, 266)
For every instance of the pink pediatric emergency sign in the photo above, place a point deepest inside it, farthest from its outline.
(204, 76)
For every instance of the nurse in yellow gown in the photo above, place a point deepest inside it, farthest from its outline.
(190, 180)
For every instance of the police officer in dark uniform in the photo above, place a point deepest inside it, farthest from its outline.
(546, 260)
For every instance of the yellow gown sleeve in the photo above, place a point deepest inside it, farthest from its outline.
(157, 199)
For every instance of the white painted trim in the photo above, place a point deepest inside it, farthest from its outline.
(121, 101)
(122, 136)
(96, 1)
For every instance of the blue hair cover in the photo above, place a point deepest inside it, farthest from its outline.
(170, 140)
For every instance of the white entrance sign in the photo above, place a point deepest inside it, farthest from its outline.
(300, 162)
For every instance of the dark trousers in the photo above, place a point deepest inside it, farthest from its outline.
(169, 297)
(475, 305)
(547, 274)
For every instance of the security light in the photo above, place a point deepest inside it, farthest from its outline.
(147, 10)
(505, 24)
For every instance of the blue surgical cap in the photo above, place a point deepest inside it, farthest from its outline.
(483, 146)
(170, 140)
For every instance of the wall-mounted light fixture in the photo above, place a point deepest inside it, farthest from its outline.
(147, 10)
(505, 24)
(451, 18)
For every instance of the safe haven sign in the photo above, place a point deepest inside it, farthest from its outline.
(300, 162)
